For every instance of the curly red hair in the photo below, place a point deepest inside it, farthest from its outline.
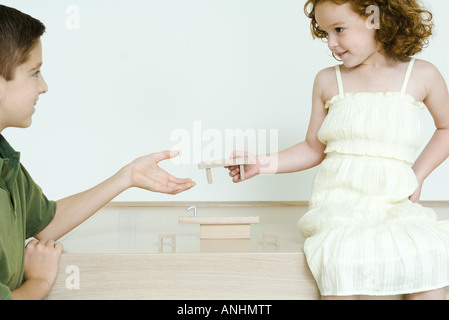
(405, 26)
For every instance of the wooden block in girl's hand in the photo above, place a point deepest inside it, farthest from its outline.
(224, 163)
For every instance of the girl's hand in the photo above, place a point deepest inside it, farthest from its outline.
(416, 195)
(252, 169)
(146, 174)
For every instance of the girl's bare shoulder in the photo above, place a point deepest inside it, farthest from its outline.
(429, 77)
(426, 70)
(326, 83)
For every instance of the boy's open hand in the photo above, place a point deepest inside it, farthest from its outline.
(146, 174)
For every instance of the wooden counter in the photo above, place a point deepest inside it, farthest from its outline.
(117, 254)
(205, 276)
(140, 251)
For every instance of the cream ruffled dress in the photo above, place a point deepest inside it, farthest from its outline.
(363, 235)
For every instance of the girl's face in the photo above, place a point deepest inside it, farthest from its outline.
(19, 96)
(349, 36)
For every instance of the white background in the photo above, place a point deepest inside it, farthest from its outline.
(136, 71)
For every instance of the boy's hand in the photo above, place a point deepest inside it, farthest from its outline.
(252, 169)
(146, 174)
(40, 269)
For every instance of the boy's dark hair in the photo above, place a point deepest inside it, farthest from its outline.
(19, 33)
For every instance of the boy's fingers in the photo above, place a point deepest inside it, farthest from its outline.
(164, 155)
(50, 243)
(32, 243)
(180, 181)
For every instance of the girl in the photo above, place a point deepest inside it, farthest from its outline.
(365, 232)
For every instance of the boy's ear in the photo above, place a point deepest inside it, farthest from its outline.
(2, 87)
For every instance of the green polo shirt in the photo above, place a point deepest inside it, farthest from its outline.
(24, 212)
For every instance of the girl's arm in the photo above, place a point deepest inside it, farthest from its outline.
(143, 173)
(302, 156)
(437, 149)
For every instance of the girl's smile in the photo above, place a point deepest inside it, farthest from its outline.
(341, 55)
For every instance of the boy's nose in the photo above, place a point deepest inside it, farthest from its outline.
(43, 88)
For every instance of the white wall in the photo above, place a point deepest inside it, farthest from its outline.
(135, 72)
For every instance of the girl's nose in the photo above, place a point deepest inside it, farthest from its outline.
(332, 43)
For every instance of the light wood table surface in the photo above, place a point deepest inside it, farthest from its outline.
(126, 251)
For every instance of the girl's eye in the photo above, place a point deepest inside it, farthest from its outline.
(339, 30)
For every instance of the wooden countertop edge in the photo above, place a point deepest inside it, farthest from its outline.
(233, 203)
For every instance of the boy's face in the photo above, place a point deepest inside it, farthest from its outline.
(19, 96)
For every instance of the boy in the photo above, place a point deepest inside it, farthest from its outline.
(29, 273)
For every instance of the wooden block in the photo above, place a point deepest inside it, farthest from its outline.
(225, 231)
(172, 237)
(218, 220)
(208, 165)
(209, 175)
(242, 172)
(222, 227)
(273, 236)
(223, 163)
(225, 245)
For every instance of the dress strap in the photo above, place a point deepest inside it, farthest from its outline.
(339, 80)
(407, 75)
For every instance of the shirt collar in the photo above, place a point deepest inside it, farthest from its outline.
(9, 162)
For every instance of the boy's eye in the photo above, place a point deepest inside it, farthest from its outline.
(36, 74)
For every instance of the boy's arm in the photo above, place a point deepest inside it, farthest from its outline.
(31, 290)
(143, 173)
(437, 149)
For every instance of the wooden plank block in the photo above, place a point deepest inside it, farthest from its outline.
(225, 246)
(225, 231)
(208, 165)
(273, 236)
(218, 220)
(172, 238)
(223, 163)
(222, 227)
(202, 276)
